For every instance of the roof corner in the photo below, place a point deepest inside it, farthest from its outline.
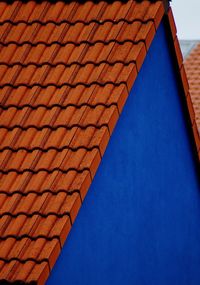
(166, 5)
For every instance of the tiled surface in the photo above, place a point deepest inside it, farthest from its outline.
(192, 65)
(190, 75)
(65, 73)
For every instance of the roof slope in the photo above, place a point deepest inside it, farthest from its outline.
(65, 73)
(192, 65)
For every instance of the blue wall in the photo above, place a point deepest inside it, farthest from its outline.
(140, 222)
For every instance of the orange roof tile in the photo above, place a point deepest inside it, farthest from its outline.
(193, 73)
(65, 73)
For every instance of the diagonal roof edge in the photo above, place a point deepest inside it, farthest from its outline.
(184, 80)
(166, 5)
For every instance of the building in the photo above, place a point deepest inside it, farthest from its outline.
(92, 87)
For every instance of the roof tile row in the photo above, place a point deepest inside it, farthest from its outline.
(60, 75)
(66, 55)
(73, 12)
(42, 182)
(65, 34)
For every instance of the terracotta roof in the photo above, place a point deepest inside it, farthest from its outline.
(66, 70)
(192, 65)
(187, 46)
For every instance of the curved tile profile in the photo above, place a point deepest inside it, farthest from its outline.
(66, 69)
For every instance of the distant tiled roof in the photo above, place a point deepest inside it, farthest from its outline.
(187, 46)
(192, 65)
(184, 79)
(65, 72)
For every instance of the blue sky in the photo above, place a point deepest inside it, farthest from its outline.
(187, 15)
